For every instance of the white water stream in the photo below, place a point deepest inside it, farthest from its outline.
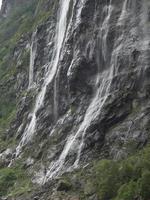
(101, 92)
(91, 114)
(93, 111)
(0, 4)
(60, 35)
(105, 28)
(124, 13)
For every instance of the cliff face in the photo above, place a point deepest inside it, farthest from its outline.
(82, 85)
(6, 8)
(10, 5)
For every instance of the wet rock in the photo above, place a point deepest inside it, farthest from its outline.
(102, 72)
(97, 103)
(36, 198)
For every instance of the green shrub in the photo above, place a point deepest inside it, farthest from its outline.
(7, 180)
(106, 179)
(144, 183)
(14, 181)
(123, 180)
(126, 171)
(128, 191)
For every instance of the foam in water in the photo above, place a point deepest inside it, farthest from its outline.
(60, 35)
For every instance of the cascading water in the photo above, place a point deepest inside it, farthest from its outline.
(122, 20)
(145, 33)
(56, 89)
(104, 80)
(94, 109)
(79, 10)
(75, 142)
(55, 99)
(0, 4)
(105, 28)
(92, 113)
(60, 35)
(33, 49)
(123, 13)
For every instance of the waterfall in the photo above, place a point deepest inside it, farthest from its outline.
(0, 4)
(102, 83)
(145, 36)
(55, 99)
(123, 13)
(75, 142)
(59, 38)
(93, 111)
(95, 108)
(105, 28)
(91, 114)
(56, 81)
(33, 49)
(79, 10)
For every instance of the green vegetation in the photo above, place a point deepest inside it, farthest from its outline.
(14, 182)
(124, 180)
(12, 28)
(22, 21)
(7, 180)
(10, 31)
(127, 179)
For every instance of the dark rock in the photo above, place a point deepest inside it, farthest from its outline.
(64, 185)
(96, 102)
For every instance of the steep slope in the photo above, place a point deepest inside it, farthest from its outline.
(76, 73)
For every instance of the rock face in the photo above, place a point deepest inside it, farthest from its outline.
(88, 88)
(6, 7)
(9, 5)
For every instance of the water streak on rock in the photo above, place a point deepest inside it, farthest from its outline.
(60, 35)
(33, 49)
